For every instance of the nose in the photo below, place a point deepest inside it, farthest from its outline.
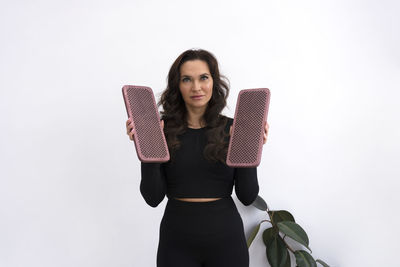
(196, 86)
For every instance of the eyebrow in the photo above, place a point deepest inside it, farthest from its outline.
(191, 76)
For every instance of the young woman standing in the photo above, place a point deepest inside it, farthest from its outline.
(201, 226)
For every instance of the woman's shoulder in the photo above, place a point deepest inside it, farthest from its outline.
(228, 122)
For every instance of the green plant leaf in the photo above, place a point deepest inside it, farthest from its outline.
(322, 263)
(280, 216)
(277, 252)
(253, 235)
(268, 235)
(260, 204)
(304, 259)
(294, 231)
(287, 263)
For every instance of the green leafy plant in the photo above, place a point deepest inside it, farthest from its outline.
(277, 249)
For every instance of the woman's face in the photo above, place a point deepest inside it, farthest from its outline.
(196, 83)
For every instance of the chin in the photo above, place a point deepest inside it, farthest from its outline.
(199, 105)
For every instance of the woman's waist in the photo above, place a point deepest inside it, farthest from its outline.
(199, 199)
(192, 192)
(188, 207)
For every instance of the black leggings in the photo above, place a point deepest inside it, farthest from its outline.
(202, 234)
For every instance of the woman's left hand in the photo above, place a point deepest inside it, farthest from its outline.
(265, 132)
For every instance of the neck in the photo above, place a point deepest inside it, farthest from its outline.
(195, 117)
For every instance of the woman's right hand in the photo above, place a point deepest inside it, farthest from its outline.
(131, 132)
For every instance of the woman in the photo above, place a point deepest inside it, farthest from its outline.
(201, 225)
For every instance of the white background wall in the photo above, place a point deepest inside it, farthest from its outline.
(69, 176)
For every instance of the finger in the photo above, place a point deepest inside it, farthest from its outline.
(162, 124)
(265, 137)
(129, 129)
(230, 130)
(266, 128)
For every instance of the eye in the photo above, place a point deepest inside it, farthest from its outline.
(185, 79)
(205, 77)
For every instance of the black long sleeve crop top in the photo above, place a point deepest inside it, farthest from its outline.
(190, 175)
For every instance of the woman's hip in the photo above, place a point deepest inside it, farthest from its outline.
(202, 219)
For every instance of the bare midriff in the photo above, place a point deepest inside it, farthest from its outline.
(197, 199)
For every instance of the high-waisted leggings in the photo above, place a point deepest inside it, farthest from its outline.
(202, 234)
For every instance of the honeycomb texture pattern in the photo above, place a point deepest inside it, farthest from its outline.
(246, 139)
(150, 142)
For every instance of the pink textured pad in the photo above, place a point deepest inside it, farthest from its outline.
(246, 142)
(149, 138)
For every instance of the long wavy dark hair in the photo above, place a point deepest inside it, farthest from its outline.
(174, 111)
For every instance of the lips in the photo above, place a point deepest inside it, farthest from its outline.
(197, 96)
